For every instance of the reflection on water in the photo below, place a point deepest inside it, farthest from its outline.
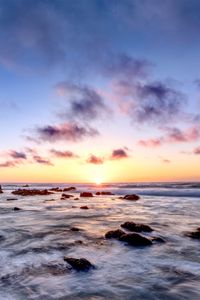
(34, 240)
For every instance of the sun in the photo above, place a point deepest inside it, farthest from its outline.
(98, 181)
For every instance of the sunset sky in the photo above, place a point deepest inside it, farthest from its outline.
(99, 90)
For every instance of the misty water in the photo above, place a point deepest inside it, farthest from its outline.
(34, 240)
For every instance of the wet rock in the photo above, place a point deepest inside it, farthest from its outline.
(1, 191)
(79, 264)
(25, 185)
(194, 234)
(84, 207)
(57, 189)
(86, 194)
(33, 192)
(66, 196)
(16, 208)
(114, 234)
(12, 199)
(135, 239)
(71, 188)
(104, 193)
(133, 197)
(131, 226)
(76, 198)
(158, 239)
(74, 229)
(2, 238)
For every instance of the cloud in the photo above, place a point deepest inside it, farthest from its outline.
(17, 155)
(119, 154)
(197, 150)
(38, 159)
(173, 135)
(63, 132)
(63, 154)
(93, 159)
(8, 164)
(83, 102)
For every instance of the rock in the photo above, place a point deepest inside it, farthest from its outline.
(131, 197)
(16, 208)
(84, 207)
(135, 239)
(12, 199)
(71, 188)
(114, 234)
(1, 190)
(34, 192)
(104, 193)
(66, 196)
(158, 239)
(79, 264)
(57, 189)
(86, 194)
(75, 229)
(76, 198)
(131, 226)
(25, 185)
(194, 234)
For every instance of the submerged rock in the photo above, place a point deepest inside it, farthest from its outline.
(104, 193)
(34, 192)
(16, 208)
(131, 197)
(194, 234)
(158, 239)
(12, 199)
(114, 234)
(75, 229)
(79, 264)
(86, 194)
(66, 196)
(71, 188)
(76, 198)
(84, 207)
(135, 239)
(57, 189)
(131, 226)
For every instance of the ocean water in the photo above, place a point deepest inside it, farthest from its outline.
(34, 240)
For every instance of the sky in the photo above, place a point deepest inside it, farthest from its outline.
(99, 91)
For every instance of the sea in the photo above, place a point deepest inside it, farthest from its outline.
(35, 239)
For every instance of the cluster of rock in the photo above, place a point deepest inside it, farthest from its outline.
(31, 192)
(134, 238)
(104, 193)
(86, 194)
(66, 196)
(1, 190)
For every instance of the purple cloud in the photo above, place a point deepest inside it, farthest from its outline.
(17, 155)
(8, 164)
(93, 159)
(63, 154)
(197, 151)
(38, 159)
(63, 132)
(119, 154)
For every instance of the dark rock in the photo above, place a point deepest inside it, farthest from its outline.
(158, 239)
(131, 226)
(12, 199)
(66, 196)
(57, 189)
(74, 229)
(76, 198)
(104, 193)
(1, 190)
(135, 239)
(84, 207)
(86, 194)
(71, 188)
(16, 208)
(34, 192)
(194, 234)
(79, 264)
(25, 185)
(114, 234)
(131, 197)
